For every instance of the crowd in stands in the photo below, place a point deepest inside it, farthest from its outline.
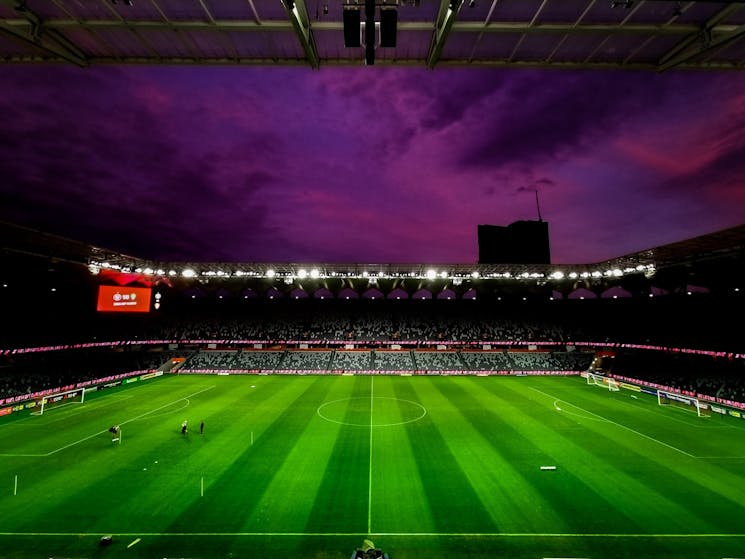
(698, 374)
(692, 324)
(327, 360)
(365, 326)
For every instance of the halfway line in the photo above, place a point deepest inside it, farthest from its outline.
(369, 476)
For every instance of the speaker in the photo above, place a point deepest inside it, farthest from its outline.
(352, 28)
(388, 27)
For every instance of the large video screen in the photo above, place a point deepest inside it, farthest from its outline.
(115, 298)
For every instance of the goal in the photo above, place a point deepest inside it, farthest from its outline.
(604, 382)
(53, 401)
(665, 398)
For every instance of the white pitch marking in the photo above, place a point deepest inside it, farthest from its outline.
(138, 540)
(618, 424)
(375, 534)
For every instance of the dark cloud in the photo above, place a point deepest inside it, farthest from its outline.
(363, 164)
(541, 117)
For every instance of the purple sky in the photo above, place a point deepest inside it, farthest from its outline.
(368, 164)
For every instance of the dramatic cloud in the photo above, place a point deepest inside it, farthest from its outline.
(368, 164)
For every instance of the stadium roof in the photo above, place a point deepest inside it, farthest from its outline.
(633, 34)
(719, 252)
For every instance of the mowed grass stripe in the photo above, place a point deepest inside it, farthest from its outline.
(103, 488)
(531, 438)
(399, 500)
(664, 472)
(78, 485)
(596, 491)
(701, 479)
(669, 425)
(716, 435)
(233, 497)
(60, 426)
(500, 463)
(177, 464)
(340, 496)
(454, 503)
(289, 500)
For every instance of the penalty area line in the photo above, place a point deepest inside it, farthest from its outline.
(617, 424)
(127, 421)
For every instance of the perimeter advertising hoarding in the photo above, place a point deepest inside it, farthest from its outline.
(114, 298)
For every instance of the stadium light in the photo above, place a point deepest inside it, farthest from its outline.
(474, 275)
(171, 273)
(557, 275)
(314, 273)
(270, 273)
(302, 274)
(188, 273)
(431, 274)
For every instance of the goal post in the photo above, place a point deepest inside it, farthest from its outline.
(52, 401)
(603, 382)
(675, 399)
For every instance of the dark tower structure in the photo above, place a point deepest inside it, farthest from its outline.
(521, 242)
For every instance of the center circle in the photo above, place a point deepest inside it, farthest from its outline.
(378, 411)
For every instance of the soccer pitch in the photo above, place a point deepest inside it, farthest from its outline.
(309, 466)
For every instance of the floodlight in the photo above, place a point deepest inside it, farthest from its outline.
(431, 274)
(270, 273)
(314, 273)
(188, 273)
(302, 274)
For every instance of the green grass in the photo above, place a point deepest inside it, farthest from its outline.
(308, 466)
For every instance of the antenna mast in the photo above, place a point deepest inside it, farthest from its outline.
(538, 205)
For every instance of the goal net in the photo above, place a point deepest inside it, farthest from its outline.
(53, 401)
(689, 403)
(603, 382)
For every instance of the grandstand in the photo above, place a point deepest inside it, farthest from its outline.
(264, 373)
(459, 410)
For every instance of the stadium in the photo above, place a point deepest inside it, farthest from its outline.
(215, 408)
(505, 418)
